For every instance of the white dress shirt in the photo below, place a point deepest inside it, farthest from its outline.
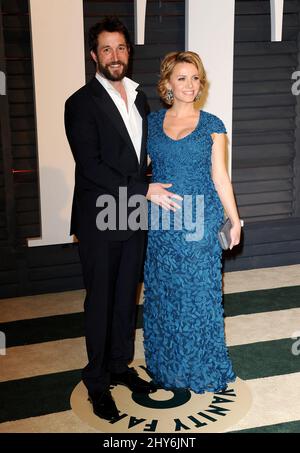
(131, 117)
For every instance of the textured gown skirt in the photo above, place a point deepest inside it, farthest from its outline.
(183, 314)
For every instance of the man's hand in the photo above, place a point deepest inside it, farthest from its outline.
(158, 194)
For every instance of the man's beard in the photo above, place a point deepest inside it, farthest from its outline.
(104, 70)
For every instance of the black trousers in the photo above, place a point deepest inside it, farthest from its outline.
(111, 271)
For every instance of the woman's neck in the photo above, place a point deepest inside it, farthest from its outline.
(184, 110)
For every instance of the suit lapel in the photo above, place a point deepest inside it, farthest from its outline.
(140, 105)
(108, 108)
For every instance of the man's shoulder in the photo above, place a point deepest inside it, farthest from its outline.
(81, 94)
(141, 94)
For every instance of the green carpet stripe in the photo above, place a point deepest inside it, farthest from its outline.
(37, 396)
(261, 301)
(249, 302)
(263, 359)
(288, 427)
(51, 393)
(39, 330)
(51, 328)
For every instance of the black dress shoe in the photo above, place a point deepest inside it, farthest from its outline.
(104, 406)
(131, 379)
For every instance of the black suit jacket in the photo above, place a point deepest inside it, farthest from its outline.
(104, 155)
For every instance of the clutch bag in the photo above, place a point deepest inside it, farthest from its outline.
(224, 234)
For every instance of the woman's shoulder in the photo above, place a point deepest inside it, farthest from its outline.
(213, 122)
(157, 114)
(155, 120)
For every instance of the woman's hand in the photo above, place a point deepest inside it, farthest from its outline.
(158, 194)
(235, 234)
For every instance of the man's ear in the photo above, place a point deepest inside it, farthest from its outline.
(94, 56)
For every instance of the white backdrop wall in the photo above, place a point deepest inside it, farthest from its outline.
(210, 33)
(59, 69)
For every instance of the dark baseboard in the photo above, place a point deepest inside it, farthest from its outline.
(57, 268)
(266, 244)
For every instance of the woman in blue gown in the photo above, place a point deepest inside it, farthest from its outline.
(183, 315)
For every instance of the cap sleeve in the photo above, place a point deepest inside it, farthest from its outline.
(217, 126)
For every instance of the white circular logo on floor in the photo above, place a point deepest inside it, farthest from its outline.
(176, 411)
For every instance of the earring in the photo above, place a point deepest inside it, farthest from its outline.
(198, 96)
(170, 96)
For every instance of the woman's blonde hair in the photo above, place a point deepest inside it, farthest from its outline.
(167, 66)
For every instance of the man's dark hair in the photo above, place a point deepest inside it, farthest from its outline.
(110, 24)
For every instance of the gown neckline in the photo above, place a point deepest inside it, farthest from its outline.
(164, 112)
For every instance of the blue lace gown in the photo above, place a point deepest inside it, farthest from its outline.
(183, 314)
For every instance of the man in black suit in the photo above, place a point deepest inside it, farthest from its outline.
(106, 127)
